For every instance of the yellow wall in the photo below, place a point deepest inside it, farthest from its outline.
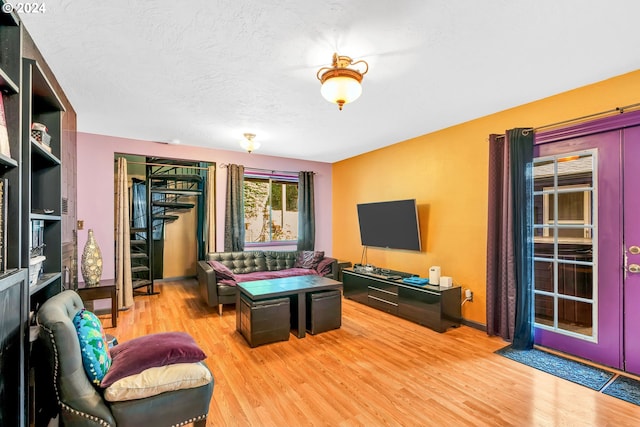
(446, 172)
(180, 244)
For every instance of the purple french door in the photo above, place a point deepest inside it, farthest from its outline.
(586, 300)
(599, 317)
(631, 215)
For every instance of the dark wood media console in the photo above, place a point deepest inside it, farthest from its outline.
(432, 306)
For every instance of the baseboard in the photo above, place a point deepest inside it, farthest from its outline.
(474, 325)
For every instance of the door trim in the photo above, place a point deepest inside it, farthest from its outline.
(617, 122)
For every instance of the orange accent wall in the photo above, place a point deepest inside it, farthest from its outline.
(446, 172)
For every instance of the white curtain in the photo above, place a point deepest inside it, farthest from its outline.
(210, 210)
(123, 237)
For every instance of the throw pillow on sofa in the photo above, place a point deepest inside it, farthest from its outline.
(324, 267)
(96, 359)
(222, 271)
(309, 259)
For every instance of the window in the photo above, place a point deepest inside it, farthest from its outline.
(270, 208)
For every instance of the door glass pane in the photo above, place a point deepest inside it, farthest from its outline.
(574, 252)
(538, 212)
(564, 224)
(544, 310)
(543, 240)
(543, 273)
(576, 169)
(575, 316)
(575, 280)
(543, 169)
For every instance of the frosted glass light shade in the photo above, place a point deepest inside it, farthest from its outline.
(341, 90)
(249, 144)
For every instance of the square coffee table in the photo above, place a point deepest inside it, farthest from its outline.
(287, 286)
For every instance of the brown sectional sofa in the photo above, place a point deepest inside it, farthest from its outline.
(219, 288)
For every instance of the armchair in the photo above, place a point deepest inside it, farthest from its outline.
(81, 404)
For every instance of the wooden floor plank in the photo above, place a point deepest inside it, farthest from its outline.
(376, 370)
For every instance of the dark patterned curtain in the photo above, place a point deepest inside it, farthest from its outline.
(306, 212)
(509, 238)
(234, 210)
(521, 148)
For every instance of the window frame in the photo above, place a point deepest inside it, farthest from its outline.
(271, 177)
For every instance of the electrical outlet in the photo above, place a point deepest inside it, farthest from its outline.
(468, 294)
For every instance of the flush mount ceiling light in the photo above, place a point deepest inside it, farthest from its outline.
(248, 142)
(340, 84)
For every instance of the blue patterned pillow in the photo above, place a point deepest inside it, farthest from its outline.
(93, 344)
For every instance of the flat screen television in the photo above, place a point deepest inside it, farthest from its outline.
(393, 224)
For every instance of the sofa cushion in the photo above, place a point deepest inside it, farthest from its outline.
(153, 381)
(96, 359)
(149, 351)
(240, 262)
(280, 260)
(227, 287)
(309, 259)
(222, 271)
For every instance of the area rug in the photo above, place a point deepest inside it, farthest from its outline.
(624, 388)
(571, 370)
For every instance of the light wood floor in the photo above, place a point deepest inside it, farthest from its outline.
(377, 370)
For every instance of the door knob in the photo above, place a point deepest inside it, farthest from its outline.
(635, 250)
(634, 268)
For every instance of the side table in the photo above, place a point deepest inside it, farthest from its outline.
(105, 289)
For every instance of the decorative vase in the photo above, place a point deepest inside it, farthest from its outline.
(91, 263)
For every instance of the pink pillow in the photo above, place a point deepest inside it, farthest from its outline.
(222, 271)
(151, 351)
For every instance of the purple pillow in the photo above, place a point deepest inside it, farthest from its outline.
(151, 351)
(222, 271)
(308, 259)
(325, 267)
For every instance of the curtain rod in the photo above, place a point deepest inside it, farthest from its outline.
(224, 165)
(166, 164)
(620, 110)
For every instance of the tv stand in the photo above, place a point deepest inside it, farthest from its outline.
(382, 273)
(436, 307)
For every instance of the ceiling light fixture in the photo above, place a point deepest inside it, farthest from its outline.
(248, 142)
(340, 84)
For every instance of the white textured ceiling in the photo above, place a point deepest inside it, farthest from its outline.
(206, 71)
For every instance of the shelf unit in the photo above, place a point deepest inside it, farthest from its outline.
(33, 175)
(10, 57)
(42, 178)
(14, 299)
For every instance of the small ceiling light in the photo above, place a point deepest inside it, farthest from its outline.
(340, 84)
(248, 142)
